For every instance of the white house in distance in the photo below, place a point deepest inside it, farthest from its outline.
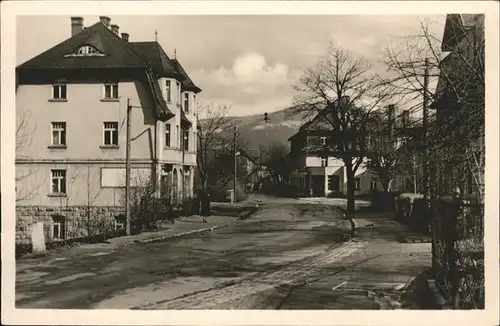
(319, 174)
(71, 104)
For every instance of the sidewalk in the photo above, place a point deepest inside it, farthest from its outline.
(183, 226)
(396, 264)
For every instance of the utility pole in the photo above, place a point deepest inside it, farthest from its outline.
(235, 163)
(427, 190)
(425, 125)
(127, 166)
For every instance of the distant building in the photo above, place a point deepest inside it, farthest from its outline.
(71, 103)
(318, 173)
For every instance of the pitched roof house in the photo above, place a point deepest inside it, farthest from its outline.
(460, 105)
(72, 102)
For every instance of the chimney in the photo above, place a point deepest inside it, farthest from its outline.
(115, 29)
(76, 25)
(390, 112)
(390, 115)
(125, 37)
(105, 20)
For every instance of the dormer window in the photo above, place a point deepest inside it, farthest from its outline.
(85, 51)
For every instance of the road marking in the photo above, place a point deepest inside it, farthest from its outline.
(341, 284)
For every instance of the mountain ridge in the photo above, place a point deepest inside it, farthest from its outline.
(257, 132)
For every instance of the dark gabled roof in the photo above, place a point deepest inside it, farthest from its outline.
(118, 53)
(301, 129)
(185, 123)
(154, 55)
(162, 112)
(187, 83)
(455, 28)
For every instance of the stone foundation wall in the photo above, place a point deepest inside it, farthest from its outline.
(80, 221)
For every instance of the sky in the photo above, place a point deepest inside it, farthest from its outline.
(249, 62)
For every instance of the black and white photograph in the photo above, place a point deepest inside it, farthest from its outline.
(323, 161)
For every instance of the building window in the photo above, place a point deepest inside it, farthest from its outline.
(322, 140)
(373, 184)
(186, 102)
(405, 118)
(179, 90)
(357, 184)
(324, 161)
(59, 133)
(334, 183)
(110, 133)
(167, 135)
(58, 227)
(59, 181)
(168, 91)
(111, 91)
(120, 221)
(59, 92)
(178, 135)
(185, 140)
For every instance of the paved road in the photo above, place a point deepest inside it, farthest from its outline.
(290, 255)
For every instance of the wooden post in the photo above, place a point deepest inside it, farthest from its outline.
(425, 122)
(425, 143)
(127, 167)
(235, 164)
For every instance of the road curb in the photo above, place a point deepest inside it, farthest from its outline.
(178, 235)
(243, 216)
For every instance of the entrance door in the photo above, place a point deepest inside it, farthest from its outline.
(318, 185)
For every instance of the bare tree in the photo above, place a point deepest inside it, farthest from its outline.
(457, 70)
(142, 208)
(274, 156)
(212, 121)
(93, 223)
(410, 166)
(26, 176)
(381, 153)
(340, 91)
(456, 136)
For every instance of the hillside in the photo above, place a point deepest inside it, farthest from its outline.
(255, 131)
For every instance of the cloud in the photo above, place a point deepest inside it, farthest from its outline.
(252, 72)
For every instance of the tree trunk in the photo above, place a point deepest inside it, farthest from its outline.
(204, 182)
(350, 190)
(385, 183)
(350, 197)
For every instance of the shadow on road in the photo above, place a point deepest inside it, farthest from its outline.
(274, 239)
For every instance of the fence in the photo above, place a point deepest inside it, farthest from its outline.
(458, 251)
